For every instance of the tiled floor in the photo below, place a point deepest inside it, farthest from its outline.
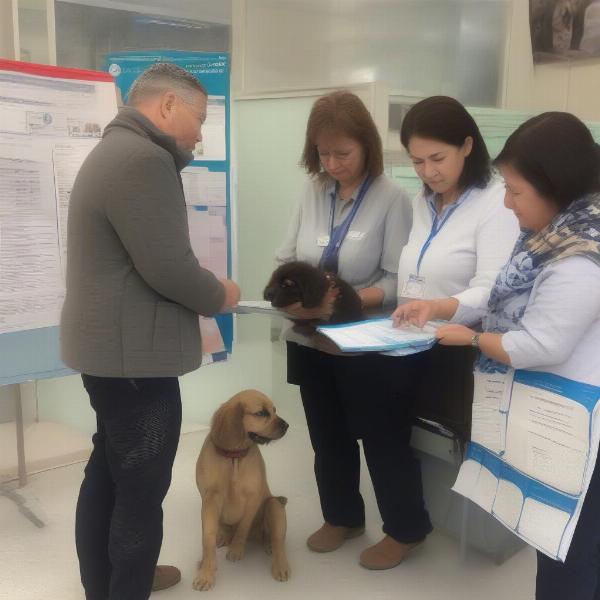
(37, 564)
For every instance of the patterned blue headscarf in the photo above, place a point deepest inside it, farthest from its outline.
(576, 231)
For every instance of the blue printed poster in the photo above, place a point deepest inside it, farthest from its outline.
(206, 181)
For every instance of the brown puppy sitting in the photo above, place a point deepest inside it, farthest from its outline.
(298, 281)
(236, 500)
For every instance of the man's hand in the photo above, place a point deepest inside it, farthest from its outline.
(323, 311)
(232, 294)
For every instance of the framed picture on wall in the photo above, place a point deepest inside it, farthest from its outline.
(564, 30)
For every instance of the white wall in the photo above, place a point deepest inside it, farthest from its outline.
(421, 47)
(33, 32)
(213, 11)
(7, 49)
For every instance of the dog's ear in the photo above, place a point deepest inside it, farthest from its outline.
(272, 287)
(314, 286)
(269, 291)
(227, 430)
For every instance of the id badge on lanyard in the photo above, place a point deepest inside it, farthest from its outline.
(330, 256)
(414, 286)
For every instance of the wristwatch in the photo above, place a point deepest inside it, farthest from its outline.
(475, 340)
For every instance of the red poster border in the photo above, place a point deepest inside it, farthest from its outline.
(52, 71)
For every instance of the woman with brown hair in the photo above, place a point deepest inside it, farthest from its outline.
(353, 221)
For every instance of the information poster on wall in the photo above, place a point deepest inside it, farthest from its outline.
(50, 119)
(206, 179)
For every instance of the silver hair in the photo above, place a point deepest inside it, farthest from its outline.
(163, 77)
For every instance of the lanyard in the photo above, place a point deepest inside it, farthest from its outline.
(337, 235)
(438, 222)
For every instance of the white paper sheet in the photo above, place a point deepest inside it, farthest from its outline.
(66, 160)
(212, 146)
(257, 307)
(508, 503)
(202, 187)
(491, 396)
(208, 236)
(212, 341)
(467, 478)
(543, 524)
(379, 335)
(485, 489)
(548, 438)
(31, 288)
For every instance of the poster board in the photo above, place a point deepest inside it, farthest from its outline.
(50, 119)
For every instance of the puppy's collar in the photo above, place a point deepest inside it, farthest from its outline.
(235, 453)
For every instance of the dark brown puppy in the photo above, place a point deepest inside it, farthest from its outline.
(298, 281)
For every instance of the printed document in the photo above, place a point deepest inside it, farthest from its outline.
(379, 335)
(533, 450)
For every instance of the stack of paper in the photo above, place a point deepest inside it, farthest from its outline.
(379, 335)
(258, 307)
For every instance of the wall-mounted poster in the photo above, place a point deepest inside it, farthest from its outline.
(564, 29)
(50, 119)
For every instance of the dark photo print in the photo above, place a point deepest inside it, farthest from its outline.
(564, 29)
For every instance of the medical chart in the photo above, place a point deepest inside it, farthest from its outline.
(377, 335)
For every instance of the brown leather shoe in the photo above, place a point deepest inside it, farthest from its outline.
(330, 537)
(165, 577)
(386, 554)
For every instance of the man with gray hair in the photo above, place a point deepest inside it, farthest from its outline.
(130, 325)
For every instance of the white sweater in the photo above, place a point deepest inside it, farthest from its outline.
(560, 330)
(466, 255)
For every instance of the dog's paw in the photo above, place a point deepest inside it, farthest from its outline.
(223, 538)
(236, 552)
(204, 581)
(280, 569)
